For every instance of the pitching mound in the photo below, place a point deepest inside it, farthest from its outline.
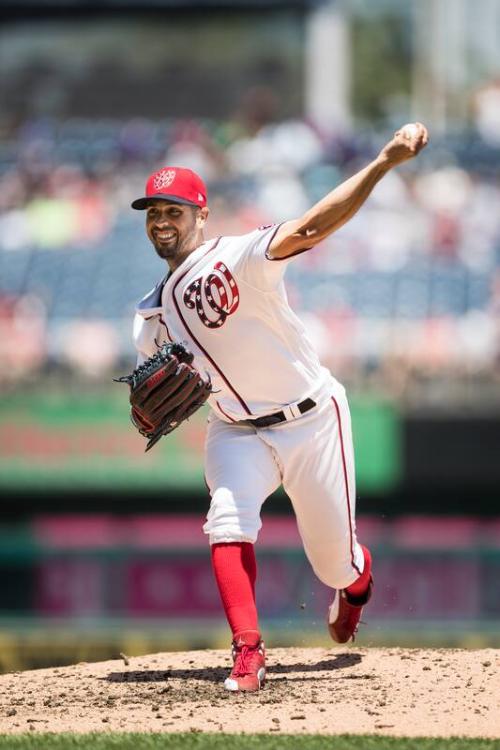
(412, 692)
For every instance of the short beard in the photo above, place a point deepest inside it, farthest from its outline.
(179, 250)
(166, 252)
(182, 247)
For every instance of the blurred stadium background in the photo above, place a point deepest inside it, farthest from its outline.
(274, 103)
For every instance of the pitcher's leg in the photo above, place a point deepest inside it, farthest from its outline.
(235, 571)
(319, 479)
(240, 472)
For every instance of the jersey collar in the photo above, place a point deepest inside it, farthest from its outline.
(151, 304)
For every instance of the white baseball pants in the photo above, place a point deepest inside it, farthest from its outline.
(313, 458)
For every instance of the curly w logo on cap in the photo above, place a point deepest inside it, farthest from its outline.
(163, 179)
(175, 184)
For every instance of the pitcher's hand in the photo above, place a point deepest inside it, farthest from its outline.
(408, 141)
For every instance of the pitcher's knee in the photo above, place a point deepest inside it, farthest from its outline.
(232, 519)
(333, 568)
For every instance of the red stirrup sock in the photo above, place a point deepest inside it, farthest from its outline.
(360, 585)
(235, 570)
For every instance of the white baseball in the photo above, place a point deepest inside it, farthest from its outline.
(409, 131)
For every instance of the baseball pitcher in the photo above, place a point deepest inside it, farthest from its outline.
(218, 327)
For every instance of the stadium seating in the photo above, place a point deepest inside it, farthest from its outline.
(101, 272)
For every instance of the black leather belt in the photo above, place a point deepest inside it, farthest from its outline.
(279, 416)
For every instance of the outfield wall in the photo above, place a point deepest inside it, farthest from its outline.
(90, 586)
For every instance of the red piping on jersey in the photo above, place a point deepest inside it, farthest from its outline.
(226, 381)
(225, 414)
(286, 257)
(158, 315)
(283, 257)
(346, 484)
(166, 327)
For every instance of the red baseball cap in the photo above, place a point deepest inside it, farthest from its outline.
(175, 184)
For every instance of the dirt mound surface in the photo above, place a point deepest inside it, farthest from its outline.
(413, 692)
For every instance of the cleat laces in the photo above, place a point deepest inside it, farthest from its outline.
(244, 661)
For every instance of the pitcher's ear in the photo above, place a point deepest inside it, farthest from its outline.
(202, 216)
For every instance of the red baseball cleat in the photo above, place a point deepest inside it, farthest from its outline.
(344, 614)
(249, 656)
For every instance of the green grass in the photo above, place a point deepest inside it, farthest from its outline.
(200, 741)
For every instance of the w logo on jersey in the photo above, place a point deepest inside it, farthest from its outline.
(214, 297)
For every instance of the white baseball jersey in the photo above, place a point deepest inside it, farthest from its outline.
(227, 303)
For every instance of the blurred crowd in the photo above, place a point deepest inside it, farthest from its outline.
(407, 292)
